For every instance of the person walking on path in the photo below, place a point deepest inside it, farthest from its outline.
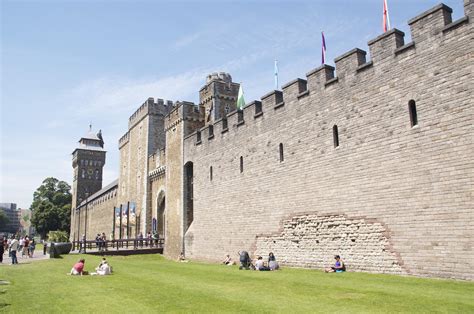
(2, 249)
(13, 249)
(31, 248)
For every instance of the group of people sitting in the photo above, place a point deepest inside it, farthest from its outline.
(272, 264)
(103, 269)
(259, 264)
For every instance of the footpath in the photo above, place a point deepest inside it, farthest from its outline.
(37, 256)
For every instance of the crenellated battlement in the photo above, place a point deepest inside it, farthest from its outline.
(185, 111)
(160, 107)
(124, 139)
(350, 67)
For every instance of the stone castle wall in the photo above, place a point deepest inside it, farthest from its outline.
(144, 137)
(408, 187)
(98, 212)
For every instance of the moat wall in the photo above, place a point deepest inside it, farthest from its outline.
(410, 187)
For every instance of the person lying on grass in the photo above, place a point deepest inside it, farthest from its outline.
(338, 266)
(78, 268)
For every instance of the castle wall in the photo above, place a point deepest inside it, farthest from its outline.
(174, 173)
(144, 137)
(98, 212)
(157, 179)
(410, 187)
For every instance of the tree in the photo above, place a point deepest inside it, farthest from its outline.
(3, 219)
(51, 207)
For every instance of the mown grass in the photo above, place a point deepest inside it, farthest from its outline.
(150, 284)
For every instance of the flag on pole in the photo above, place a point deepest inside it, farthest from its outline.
(323, 49)
(240, 99)
(276, 74)
(386, 18)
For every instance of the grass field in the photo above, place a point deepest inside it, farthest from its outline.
(150, 283)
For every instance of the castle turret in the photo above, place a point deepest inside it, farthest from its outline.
(88, 160)
(218, 96)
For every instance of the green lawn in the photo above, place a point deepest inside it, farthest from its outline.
(150, 283)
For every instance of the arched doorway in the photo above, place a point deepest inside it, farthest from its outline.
(161, 218)
(188, 195)
(160, 223)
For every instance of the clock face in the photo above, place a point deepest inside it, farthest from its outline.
(90, 171)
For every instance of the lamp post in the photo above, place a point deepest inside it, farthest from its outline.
(85, 221)
(78, 210)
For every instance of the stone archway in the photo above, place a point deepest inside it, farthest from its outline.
(161, 215)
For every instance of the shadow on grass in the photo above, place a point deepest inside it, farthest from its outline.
(4, 305)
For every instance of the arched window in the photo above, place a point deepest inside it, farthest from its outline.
(188, 194)
(281, 152)
(97, 174)
(224, 123)
(210, 173)
(241, 164)
(83, 173)
(335, 135)
(413, 115)
(211, 131)
(198, 136)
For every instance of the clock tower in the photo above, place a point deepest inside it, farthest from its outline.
(88, 161)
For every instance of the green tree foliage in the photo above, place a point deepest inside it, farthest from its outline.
(3, 219)
(58, 236)
(51, 207)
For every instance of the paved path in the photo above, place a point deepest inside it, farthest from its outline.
(37, 256)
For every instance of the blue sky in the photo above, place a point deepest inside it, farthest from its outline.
(65, 64)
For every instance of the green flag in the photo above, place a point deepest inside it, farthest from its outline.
(240, 99)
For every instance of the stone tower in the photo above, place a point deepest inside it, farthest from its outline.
(88, 160)
(218, 96)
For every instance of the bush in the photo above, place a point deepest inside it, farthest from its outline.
(58, 236)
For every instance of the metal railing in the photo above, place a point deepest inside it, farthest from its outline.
(108, 245)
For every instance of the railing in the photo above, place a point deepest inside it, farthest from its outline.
(108, 245)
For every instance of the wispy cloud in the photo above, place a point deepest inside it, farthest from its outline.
(108, 101)
(187, 40)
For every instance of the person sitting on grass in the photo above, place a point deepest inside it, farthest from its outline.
(228, 260)
(260, 264)
(78, 268)
(272, 263)
(182, 259)
(104, 268)
(338, 266)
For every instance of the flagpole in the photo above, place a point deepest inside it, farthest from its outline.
(323, 49)
(386, 17)
(276, 74)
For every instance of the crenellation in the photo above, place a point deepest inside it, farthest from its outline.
(124, 139)
(404, 48)
(387, 183)
(294, 89)
(455, 24)
(258, 108)
(149, 107)
(317, 78)
(428, 25)
(384, 46)
(348, 63)
(272, 99)
(469, 8)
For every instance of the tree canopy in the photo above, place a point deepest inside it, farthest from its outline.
(3, 219)
(51, 207)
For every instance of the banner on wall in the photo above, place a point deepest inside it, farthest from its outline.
(133, 213)
(117, 217)
(154, 225)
